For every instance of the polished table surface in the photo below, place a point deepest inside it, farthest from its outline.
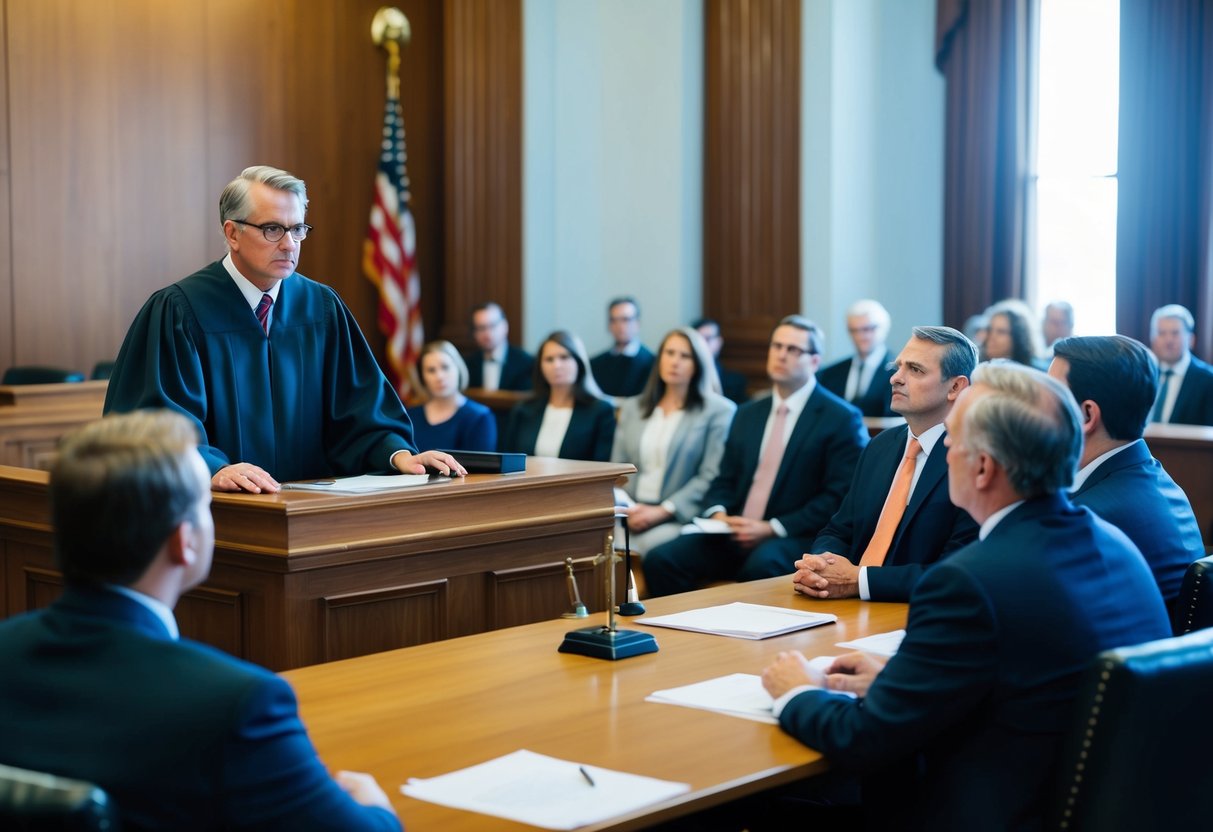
(435, 708)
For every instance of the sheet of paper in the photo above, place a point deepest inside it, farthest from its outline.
(543, 791)
(738, 694)
(623, 498)
(365, 484)
(879, 644)
(706, 525)
(741, 620)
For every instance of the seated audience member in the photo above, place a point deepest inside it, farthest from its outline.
(1185, 395)
(494, 364)
(971, 711)
(732, 383)
(100, 687)
(674, 434)
(976, 328)
(269, 365)
(1012, 334)
(1058, 323)
(787, 463)
(567, 416)
(863, 379)
(449, 419)
(897, 519)
(1114, 379)
(624, 368)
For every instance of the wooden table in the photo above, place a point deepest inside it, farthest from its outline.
(429, 710)
(301, 577)
(34, 416)
(1186, 452)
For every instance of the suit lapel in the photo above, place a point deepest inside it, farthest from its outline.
(805, 425)
(932, 473)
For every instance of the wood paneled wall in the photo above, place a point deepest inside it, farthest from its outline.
(121, 120)
(751, 172)
(484, 161)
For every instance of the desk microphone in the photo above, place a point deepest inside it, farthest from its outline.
(632, 605)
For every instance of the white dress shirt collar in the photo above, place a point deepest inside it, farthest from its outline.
(154, 605)
(1089, 469)
(251, 293)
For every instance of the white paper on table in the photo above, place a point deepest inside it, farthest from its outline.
(543, 791)
(623, 498)
(706, 525)
(365, 484)
(879, 644)
(741, 620)
(738, 694)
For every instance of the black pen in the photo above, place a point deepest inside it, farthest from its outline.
(586, 775)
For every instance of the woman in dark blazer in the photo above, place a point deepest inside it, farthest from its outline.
(567, 416)
(674, 433)
(449, 420)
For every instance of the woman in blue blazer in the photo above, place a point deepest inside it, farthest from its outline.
(450, 420)
(674, 434)
(567, 416)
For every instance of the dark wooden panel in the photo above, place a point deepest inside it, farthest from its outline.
(751, 172)
(384, 619)
(214, 616)
(8, 335)
(1186, 452)
(42, 587)
(537, 593)
(483, 165)
(108, 131)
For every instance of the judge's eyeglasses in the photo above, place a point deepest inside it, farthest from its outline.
(273, 231)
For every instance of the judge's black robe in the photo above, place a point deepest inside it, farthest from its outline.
(308, 401)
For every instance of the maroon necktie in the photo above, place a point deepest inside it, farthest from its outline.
(263, 313)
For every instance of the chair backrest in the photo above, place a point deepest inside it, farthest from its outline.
(1194, 608)
(40, 375)
(37, 802)
(1139, 749)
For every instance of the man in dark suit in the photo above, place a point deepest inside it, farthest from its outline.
(876, 549)
(863, 379)
(787, 462)
(624, 368)
(99, 687)
(1185, 395)
(732, 383)
(494, 364)
(972, 709)
(1115, 381)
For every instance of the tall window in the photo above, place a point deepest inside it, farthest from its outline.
(1074, 187)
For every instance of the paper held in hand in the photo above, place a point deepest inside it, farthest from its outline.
(741, 620)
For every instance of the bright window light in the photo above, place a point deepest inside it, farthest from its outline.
(1075, 185)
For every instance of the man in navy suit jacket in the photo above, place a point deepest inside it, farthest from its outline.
(973, 707)
(624, 369)
(863, 379)
(932, 371)
(1115, 380)
(513, 366)
(1186, 393)
(801, 489)
(99, 687)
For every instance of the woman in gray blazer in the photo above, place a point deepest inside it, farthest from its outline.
(674, 433)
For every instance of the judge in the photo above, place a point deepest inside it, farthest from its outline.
(271, 366)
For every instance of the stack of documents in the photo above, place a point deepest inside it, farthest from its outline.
(543, 791)
(880, 644)
(742, 620)
(364, 484)
(738, 694)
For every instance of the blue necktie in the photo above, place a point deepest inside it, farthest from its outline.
(1156, 416)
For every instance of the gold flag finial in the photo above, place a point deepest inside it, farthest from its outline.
(389, 29)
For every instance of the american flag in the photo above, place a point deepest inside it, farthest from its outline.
(389, 255)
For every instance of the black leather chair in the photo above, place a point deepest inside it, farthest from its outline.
(1194, 608)
(37, 802)
(40, 375)
(1140, 745)
(102, 370)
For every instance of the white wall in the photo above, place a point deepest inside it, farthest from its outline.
(872, 164)
(613, 138)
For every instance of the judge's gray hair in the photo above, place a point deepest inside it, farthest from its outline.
(234, 201)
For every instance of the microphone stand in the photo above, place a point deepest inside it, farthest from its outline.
(630, 605)
(608, 642)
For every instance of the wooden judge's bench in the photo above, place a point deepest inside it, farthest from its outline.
(301, 577)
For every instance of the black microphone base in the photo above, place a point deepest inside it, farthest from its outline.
(601, 643)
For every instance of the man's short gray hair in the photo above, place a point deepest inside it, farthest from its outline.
(960, 354)
(234, 201)
(874, 311)
(1029, 424)
(1172, 310)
